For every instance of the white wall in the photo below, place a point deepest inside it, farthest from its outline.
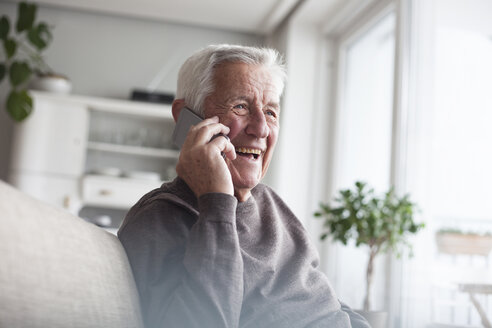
(108, 56)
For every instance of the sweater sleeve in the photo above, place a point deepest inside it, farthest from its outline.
(187, 277)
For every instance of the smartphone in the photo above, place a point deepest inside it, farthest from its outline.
(186, 119)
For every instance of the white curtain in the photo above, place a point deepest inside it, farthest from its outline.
(449, 158)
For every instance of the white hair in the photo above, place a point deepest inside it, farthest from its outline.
(196, 75)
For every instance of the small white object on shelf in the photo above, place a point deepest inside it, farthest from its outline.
(52, 83)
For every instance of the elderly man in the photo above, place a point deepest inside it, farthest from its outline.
(215, 248)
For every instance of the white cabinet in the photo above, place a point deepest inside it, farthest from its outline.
(92, 156)
(52, 139)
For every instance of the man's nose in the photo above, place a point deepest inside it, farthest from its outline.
(257, 124)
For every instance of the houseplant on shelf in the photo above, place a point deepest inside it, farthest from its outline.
(382, 224)
(23, 62)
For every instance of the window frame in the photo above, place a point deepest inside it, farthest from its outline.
(338, 37)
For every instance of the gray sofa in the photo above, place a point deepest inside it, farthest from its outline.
(56, 270)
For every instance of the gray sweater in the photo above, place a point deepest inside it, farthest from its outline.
(214, 262)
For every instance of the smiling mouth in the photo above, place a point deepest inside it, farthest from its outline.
(248, 152)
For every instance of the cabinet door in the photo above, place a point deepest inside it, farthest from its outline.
(113, 192)
(52, 139)
(59, 191)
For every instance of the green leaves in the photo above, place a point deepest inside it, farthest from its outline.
(3, 71)
(9, 44)
(10, 47)
(19, 105)
(40, 36)
(4, 27)
(381, 223)
(19, 73)
(27, 15)
(22, 47)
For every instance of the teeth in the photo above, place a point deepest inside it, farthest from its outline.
(248, 150)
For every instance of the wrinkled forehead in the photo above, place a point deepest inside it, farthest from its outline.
(239, 75)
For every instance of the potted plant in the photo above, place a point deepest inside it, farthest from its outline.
(455, 241)
(382, 224)
(23, 62)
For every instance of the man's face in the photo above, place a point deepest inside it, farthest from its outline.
(246, 99)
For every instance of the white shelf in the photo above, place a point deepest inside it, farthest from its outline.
(117, 106)
(133, 150)
(65, 125)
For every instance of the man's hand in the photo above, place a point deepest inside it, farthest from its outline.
(201, 164)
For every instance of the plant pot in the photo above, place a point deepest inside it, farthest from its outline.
(377, 319)
(458, 243)
(52, 83)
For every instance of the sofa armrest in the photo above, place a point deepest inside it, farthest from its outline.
(56, 270)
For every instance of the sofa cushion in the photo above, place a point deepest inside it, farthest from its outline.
(56, 270)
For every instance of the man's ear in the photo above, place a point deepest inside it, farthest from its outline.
(177, 106)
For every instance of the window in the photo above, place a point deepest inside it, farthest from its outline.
(415, 109)
(366, 107)
(364, 136)
(450, 162)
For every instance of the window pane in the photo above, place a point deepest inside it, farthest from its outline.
(462, 155)
(461, 162)
(364, 141)
(365, 136)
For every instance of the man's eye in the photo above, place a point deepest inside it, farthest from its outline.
(240, 109)
(271, 113)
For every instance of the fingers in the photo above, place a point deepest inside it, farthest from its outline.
(207, 132)
(224, 145)
(203, 132)
(194, 129)
(200, 162)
